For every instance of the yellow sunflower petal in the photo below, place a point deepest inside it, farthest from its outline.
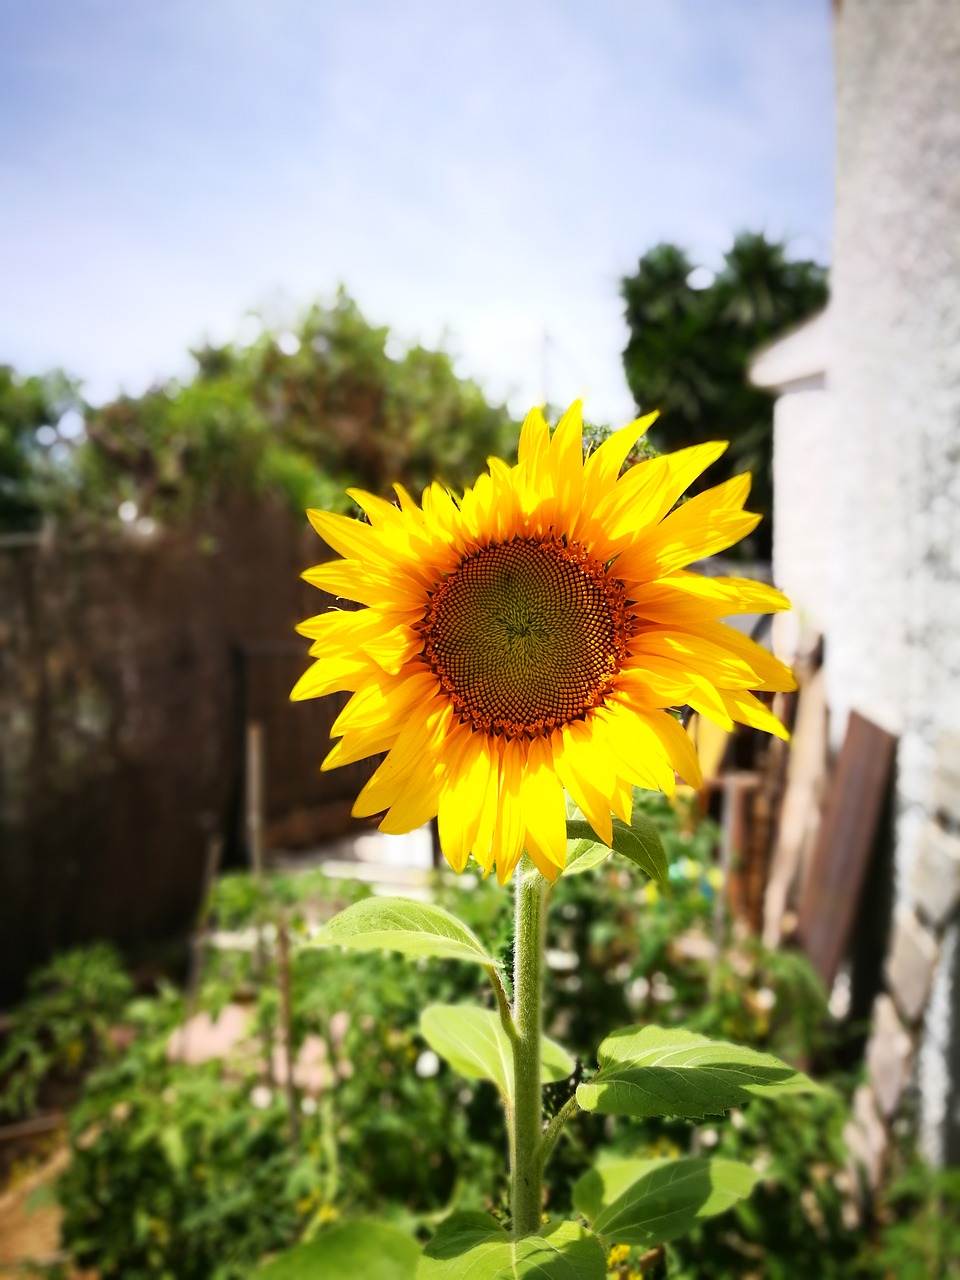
(587, 775)
(386, 699)
(640, 755)
(462, 797)
(330, 675)
(359, 744)
(750, 710)
(602, 469)
(685, 466)
(534, 440)
(417, 802)
(677, 745)
(542, 803)
(352, 581)
(408, 769)
(772, 674)
(708, 523)
(483, 851)
(508, 833)
(566, 458)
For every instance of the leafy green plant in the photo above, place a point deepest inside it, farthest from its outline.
(405, 1138)
(919, 1238)
(64, 1025)
(300, 415)
(643, 1072)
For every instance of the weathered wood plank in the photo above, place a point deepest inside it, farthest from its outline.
(845, 844)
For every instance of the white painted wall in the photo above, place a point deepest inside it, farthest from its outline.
(803, 531)
(894, 377)
(867, 466)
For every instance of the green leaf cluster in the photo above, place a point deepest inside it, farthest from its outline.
(300, 413)
(690, 347)
(408, 1147)
(63, 1027)
(31, 446)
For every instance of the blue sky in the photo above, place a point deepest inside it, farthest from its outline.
(476, 174)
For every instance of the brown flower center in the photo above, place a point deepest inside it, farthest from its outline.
(526, 635)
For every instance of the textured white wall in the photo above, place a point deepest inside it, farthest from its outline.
(804, 482)
(894, 614)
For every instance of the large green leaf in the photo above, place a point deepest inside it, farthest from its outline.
(647, 1202)
(640, 842)
(474, 1042)
(348, 1252)
(401, 924)
(650, 1071)
(474, 1245)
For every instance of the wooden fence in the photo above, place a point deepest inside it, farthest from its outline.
(129, 667)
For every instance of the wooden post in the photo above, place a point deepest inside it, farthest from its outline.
(254, 799)
(286, 1013)
(253, 788)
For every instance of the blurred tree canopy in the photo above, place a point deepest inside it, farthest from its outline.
(30, 444)
(690, 347)
(301, 413)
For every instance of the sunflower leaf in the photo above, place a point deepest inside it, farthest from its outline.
(474, 1043)
(647, 1202)
(584, 855)
(651, 1071)
(400, 924)
(474, 1244)
(640, 842)
(345, 1252)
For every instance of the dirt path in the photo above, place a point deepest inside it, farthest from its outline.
(29, 1234)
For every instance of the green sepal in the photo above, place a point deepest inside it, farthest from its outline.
(401, 924)
(347, 1252)
(647, 1202)
(652, 1071)
(474, 1043)
(474, 1245)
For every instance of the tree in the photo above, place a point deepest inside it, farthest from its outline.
(689, 350)
(30, 409)
(300, 415)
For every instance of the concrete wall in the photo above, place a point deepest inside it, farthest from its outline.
(894, 378)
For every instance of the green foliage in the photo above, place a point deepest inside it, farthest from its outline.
(63, 1026)
(797, 1220)
(475, 1044)
(179, 1171)
(30, 410)
(689, 350)
(640, 842)
(647, 1202)
(302, 415)
(347, 1253)
(190, 1172)
(920, 1236)
(475, 1245)
(415, 929)
(655, 1071)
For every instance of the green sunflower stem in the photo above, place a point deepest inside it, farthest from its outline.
(526, 1176)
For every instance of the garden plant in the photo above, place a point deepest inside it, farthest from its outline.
(522, 655)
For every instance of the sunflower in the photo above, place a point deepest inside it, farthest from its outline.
(530, 637)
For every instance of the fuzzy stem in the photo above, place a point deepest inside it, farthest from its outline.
(527, 1119)
(555, 1128)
